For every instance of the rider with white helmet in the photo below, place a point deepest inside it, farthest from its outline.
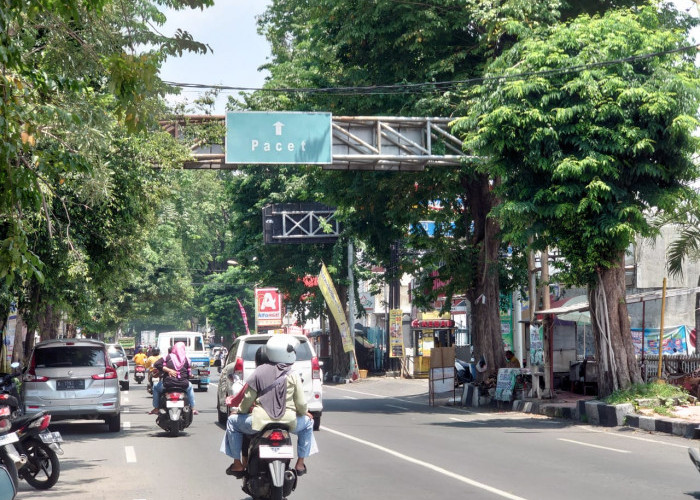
(278, 396)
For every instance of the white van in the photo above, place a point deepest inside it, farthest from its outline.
(198, 354)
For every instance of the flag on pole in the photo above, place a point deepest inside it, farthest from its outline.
(245, 316)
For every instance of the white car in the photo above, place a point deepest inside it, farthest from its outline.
(120, 361)
(240, 364)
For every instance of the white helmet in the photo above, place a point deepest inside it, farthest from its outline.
(281, 348)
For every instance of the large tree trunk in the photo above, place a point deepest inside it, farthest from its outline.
(617, 365)
(339, 358)
(486, 320)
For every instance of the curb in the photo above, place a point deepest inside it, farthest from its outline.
(598, 413)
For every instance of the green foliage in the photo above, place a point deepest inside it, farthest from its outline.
(652, 390)
(584, 154)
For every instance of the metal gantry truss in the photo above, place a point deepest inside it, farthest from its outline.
(387, 143)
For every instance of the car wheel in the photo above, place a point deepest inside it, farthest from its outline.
(114, 423)
(317, 421)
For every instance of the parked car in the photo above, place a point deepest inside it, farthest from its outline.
(240, 363)
(73, 379)
(120, 360)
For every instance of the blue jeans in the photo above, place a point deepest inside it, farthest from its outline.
(158, 389)
(237, 425)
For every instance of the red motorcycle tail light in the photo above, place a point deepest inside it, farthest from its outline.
(276, 437)
(5, 425)
(175, 396)
(5, 411)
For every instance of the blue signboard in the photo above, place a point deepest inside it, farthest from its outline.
(254, 137)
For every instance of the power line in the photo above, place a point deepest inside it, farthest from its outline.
(429, 86)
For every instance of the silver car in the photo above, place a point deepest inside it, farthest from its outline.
(240, 364)
(73, 379)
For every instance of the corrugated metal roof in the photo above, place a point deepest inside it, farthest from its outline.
(630, 299)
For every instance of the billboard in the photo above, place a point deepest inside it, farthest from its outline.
(268, 307)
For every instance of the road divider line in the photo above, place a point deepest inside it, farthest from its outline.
(399, 407)
(616, 450)
(130, 454)
(421, 463)
(126, 425)
(349, 397)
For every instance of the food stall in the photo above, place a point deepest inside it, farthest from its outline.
(429, 332)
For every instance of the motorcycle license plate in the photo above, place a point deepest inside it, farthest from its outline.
(174, 404)
(51, 437)
(276, 451)
(8, 438)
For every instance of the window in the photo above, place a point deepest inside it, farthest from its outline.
(71, 356)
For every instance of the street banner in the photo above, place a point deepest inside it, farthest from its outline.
(325, 284)
(395, 334)
(268, 308)
(244, 315)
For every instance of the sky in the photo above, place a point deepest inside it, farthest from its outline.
(230, 28)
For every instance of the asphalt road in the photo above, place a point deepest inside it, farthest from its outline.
(380, 439)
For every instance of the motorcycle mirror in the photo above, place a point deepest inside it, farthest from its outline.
(7, 486)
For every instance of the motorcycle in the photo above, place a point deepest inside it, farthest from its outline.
(41, 448)
(139, 373)
(152, 380)
(10, 409)
(268, 474)
(9, 456)
(174, 412)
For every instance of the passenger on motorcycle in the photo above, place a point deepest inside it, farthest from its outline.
(175, 369)
(150, 361)
(140, 358)
(275, 394)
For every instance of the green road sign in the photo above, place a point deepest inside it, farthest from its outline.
(278, 138)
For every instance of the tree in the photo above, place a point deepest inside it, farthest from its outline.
(589, 125)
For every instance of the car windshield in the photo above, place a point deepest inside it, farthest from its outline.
(251, 346)
(73, 356)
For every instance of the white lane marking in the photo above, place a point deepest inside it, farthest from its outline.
(126, 425)
(125, 409)
(399, 407)
(432, 467)
(125, 400)
(349, 397)
(130, 454)
(648, 440)
(473, 422)
(213, 384)
(594, 446)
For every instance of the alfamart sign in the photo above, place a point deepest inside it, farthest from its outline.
(278, 138)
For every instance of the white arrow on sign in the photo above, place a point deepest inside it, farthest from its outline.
(278, 128)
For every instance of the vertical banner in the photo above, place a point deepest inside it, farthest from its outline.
(395, 334)
(244, 316)
(325, 284)
(268, 307)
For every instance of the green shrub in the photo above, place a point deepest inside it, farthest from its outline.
(652, 390)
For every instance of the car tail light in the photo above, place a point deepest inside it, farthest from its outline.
(315, 368)
(175, 396)
(238, 368)
(108, 374)
(31, 375)
(123, 362)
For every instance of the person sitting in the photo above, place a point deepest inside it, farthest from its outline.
(511, 360)
(140, 358)
(175, 368)
(276, 395)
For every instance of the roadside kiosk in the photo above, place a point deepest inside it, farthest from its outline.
(428, 333)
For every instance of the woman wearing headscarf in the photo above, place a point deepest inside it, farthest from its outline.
(176, 368)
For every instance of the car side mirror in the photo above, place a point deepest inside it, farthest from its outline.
(7, 486)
